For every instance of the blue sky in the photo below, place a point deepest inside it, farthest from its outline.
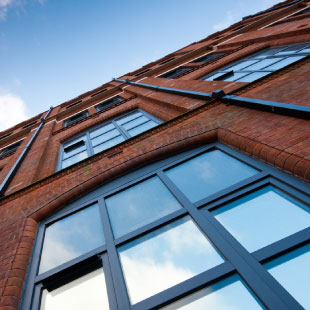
(53, 50)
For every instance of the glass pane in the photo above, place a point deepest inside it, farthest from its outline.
(83, 138)
(87, 292)
(208, 173)
(269, 51)
(292, 271)
(139, 205)
(253, 76)
(284, 62)
(213, 76)
(101, 130)
(108, 144)
(74, 149)
(305, 50)
(234, 76)
(74, 159)
(135, 122)
(262, 218)
(128, 118)
(166, 257)
(263, 63)
(227, 294)
(148, 125)
(242, 65)
(291, 49)
(71, 237)
(105, 137)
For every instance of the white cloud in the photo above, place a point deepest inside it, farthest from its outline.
(4, 4)
(229, 19)
(12, 110)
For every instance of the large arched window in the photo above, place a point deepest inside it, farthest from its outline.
(206, 229)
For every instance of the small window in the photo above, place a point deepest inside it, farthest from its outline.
(10, 149)
(175, 73)
(208, 57)
(99, 92)
(5, 136)
(73, 104)
(77, 117)
(260, 64)
(30, 124)
(105, 136)
(107, 103)
(166, 61)
(142, 72)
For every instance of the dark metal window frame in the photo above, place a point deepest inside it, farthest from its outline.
(86, 133)
(10, 149)
(227, 71)
(108, 103)
(238, 261)
(71, 120)
(208, 57)
(175, 73)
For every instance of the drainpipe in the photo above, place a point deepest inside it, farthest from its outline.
(6, 182)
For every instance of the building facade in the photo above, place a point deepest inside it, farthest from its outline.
(181, 185)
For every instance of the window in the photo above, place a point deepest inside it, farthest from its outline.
(99, 92)
(208, 57)
(75, 118)
(208, 228)
(175, 73)
(142, 72)
(30, 124)
(5, 136)
(10, 149)
(107, 103)
(260, 64)
(73, 104)
(105, 136)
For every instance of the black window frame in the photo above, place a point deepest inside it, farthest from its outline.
(238, 261)
(227, 70)
(76, 118)
(87, 132)
(10, 149)
(175, 73)
(101, 106)
(208, 57)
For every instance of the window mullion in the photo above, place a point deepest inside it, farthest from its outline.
(88, 145)
(122, 131)
(254, 274)
(116, 269)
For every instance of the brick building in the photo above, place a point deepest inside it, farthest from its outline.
(181, 185)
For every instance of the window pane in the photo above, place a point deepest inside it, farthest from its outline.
(101, 130)
(230, 293)
(128, 118)
(108, 144)
(263, 63)
(242, 65)
(87, 292)
(148, 125)
(269, 51)
(253, 76)
(74, 149)
(262, 218)
(291, 49)
(74, 159)
(234, 76)
(213, 76)
(71, 237)
(166, 257)
(105, 137)
(139, 205)
(284, 62)
(208, 173)
(135, 122)
(292, 270)
(83, 138)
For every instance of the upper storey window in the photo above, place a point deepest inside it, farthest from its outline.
(208, 57)
(105, 136)
(175, 73)
(107, 103)
(75, 118)
(10, 149)
(260, 64)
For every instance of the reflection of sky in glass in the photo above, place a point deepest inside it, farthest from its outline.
(292, 270)
(87, 292)
(128, 118)
(71, 237)
(108, 144)
(166, 257)
(227, 294)
(141, 128)
(208, 173)
(262, 218)
(139, 205)
(74, 159)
